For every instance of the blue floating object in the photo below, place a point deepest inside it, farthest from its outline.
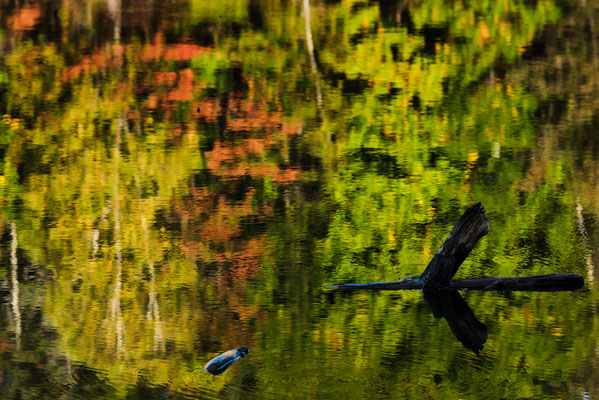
(219, 364)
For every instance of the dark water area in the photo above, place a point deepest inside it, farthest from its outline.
(183, 178)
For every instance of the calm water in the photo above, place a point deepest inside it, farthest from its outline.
(181, 178)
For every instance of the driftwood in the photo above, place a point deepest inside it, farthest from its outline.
(471, 226)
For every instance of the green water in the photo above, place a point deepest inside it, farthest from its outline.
(182, 178)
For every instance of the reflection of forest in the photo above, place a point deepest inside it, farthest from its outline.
(242, 178)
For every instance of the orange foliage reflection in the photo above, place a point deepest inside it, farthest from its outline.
(173, 52)
(254, 148)
(26, 18)
(229, 160)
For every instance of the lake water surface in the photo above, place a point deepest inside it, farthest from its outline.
(182, 178)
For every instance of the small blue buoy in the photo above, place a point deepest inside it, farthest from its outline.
(219, 364)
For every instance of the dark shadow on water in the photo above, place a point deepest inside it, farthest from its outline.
(450, 305)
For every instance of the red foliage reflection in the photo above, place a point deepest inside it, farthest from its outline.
(253, 149)
(26, 18)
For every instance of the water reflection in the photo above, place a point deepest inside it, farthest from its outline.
(14, 280)
(183, 175)
(450, 305)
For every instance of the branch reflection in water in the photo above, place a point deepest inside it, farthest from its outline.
(450, 305)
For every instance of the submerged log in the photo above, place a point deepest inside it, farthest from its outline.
(537, 283)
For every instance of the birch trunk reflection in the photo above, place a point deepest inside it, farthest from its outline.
(114, 7)
(115, 302)
(14, 298)
(153, 313)
(310, 45)
(584, 239)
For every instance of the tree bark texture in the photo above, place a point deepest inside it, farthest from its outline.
(471, 226)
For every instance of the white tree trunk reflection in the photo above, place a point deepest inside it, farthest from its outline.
(310, 45)
(153, 313)
(14, 280)
(115, 302)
